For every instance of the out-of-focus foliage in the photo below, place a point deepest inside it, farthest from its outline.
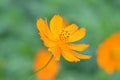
(19, 39)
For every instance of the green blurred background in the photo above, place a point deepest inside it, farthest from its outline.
(19, 39)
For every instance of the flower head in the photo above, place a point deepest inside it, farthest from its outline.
(50, 71)
(108, 53)
(58, 38)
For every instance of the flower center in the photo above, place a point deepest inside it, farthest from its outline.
(64, 35)
(115, 54)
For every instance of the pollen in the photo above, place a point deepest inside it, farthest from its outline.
(64, 35)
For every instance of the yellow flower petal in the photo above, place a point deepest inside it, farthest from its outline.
(79, 34)
(47, 41)
(118, 65)
(56, 25)
(71, 28)
(56, 52)
(77, 55)
(80, 56)
(42, 26)
(78, 47)
(102, 61)
(69, 57)
(109, 68)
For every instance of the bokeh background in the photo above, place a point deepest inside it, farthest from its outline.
(19, 39)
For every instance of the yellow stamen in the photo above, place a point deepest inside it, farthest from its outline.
(64, 35)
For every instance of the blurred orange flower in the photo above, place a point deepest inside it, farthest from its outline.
(50, 71)
(108, 54)
(58, 37)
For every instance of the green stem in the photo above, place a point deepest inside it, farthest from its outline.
(30, 78)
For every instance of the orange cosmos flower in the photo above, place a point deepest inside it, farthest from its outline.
(108, 54)
(59, 36)
(50, 71)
